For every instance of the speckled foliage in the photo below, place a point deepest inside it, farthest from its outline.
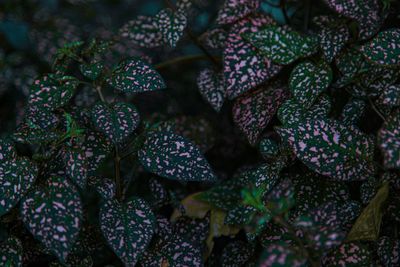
(233, 10)
(389, 137)
(212, 88)
(171, 25)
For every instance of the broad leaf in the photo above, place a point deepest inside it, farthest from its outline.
(384, 49)
(171, 24)
(389, 141)
(16, 177)
(128, 228)
(331, 148)
(143, 32)
(368, 224)
(244, 68)
(253, 111)
(174, 157)
(96, 148)
(282, 44)
(117, 121)
(135, 76)
(233, 10)
(53, 214)
(212, 88)
(308, 80)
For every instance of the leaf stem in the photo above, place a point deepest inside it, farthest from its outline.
(98, 89)
(376, 109)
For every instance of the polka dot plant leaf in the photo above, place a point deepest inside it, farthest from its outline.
(388, 251)
(174, 157)
(11, 252)
(212, 88)
(53, 214)
(389, 141)
(143, 32)
(171, 25)
(127, 227)
(349, 254)
(233, 10)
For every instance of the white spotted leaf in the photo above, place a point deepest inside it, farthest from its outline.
(143, 32)
(212, 88)
(389, 141)
(233, 10)
(128, 228)
(11, 252)
(171, 24)
(174, 157)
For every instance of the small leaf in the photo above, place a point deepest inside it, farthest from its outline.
(174, 157)
(96, 148)
(16, 177)
(117, 121)
(11, 252)
(389, 141)
(244, 68)
(308, 80)
(281, 44)
(391, 96)
(351, 254)
(353, 111)
(127, 227)
(241, 215)
(215, 38)
(135, 76)
(7, 150)
(53, 214)
(384, 49)
(104, 186)
(27, 135)
(76, 167)
(368, 224)
(212, 88)
(91, 70)
(268, 148)
(253, 111)
(143, 32)
(233, 10)
(171, 25)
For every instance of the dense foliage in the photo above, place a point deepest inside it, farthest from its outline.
(199, 133)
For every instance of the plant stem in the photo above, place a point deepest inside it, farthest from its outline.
(376, 109)
(98, 89)
(183, 59)
(117, 165)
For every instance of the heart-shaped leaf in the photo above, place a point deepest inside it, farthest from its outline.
(53, 214)
(212, 88)
(244, 67)
(171, 25)
(389, 141)
(135, 76)
(174, 157)
(308, 80)
(117, 121)
(384, 49)
(233, 10)
(331, 148)
(143, 32)
(128, 228)
(282, 44)
(253, 111)
(11, 252)
(16, 177)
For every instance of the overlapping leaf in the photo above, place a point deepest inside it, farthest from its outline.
(212, 88)
(7, 150)
(53, 214)
(171, 25)
(104, 186)
(389, 141)
(349, 254)
(391, 96)
(281, 254)
(128, 228)
(76, 167)
(96, 148)
(236, 254)
(143, 32)
(244, 68)
(117, 121)
(134, 76)
(253, 111)
(282, 44)
(233, 10)
(174, 157)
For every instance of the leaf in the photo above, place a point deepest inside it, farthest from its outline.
(236, 253)
(281, 254)
(253, 111)
(391, 96)
(389, 141)
(194, 230)
(135, 76)
(384, 49)
(174, 157)
(215, 38)
(268, 148)
(282, 44)
(76, 167)
(330, 148)
(16, 177)
(388, 251)
(241, 215)
(143, 32)
(116, 121)
(368, 224)
(243, 67)
(353, 111)
(11, 252)
(96, 148)
(27, 135)
(104, 186)
(53, 214)
(233, 10)
(159, 194)
(212, 88)
(91, 70)
(52, 91)
(128, 228)
(351, 254)
(7, 150)
(171, 25)
(307, 81)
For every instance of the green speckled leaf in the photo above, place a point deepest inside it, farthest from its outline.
(104, 186)
(91, 70)
(127, 227)
(236, 253)
(143, 32)
(282, 44)
(76, 167)
(96, 148)
(7, 150)
(391, 96)
(389, 141)
(233, 10)
(174, 157)
(135, 76)
(53, 214)
(16, 177)
(280, 254)
(171, 25)
(116, 121)
(212, 88)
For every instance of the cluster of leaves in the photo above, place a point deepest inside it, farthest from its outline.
(277, 145)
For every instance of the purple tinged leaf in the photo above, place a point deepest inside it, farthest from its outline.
(7, 150)
(104, 186)
(143, 32)
(171, 25)
(212, 88)
(389, 141)
(389, 251)
(215, 38)
(280, 254)
(233, 10)
(76, 167)
(349, 254)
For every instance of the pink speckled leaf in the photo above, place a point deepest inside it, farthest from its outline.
(349, 254)
(211, 87)
(76, 166)
(244, 68)
(171, 24)
(281, 254)
(253, 111)
(142, 32)
(389, 141)
(233, 10)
